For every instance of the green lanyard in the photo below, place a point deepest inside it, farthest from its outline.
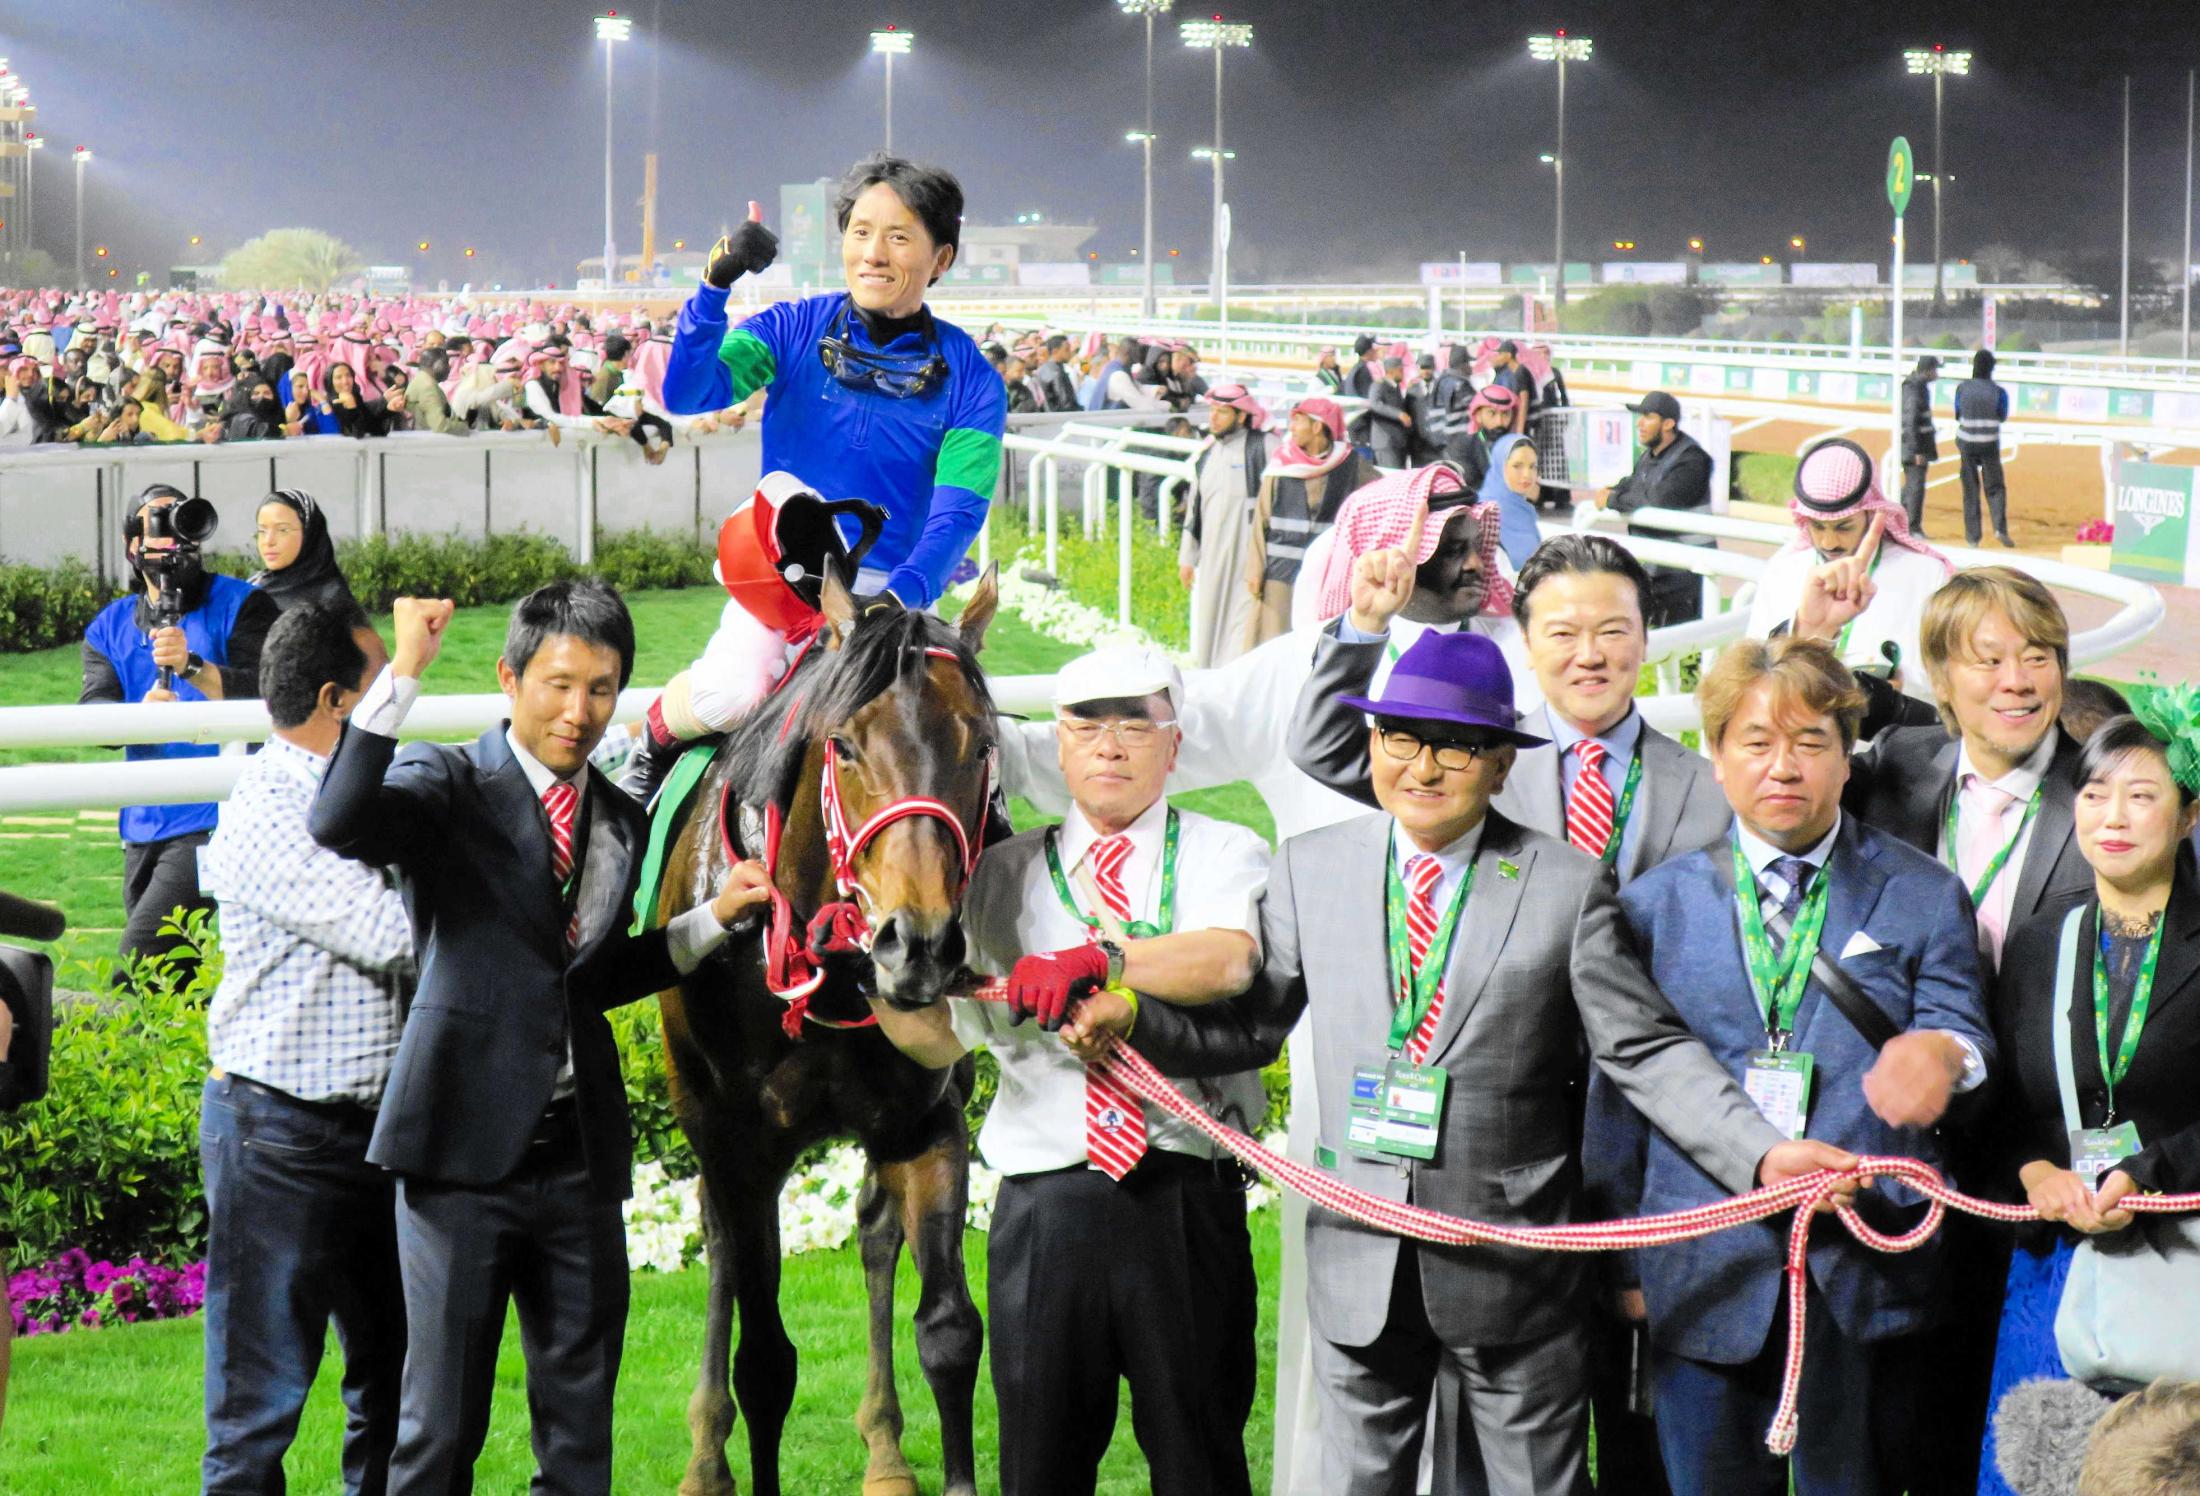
(1610, 854)
(1137, 929)
(1417, 989)
(1778, 980)
(1841, 645)
(2141, 995)
(2001, 858)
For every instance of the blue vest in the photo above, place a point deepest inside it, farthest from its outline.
(115, 634)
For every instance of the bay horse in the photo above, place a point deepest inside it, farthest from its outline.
(884, 725)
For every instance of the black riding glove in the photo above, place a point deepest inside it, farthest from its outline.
(747, 250)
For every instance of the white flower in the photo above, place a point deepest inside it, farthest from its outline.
(1053, 612)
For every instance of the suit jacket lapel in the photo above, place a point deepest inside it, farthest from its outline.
(610, 861)
(518, 815)
(1940, 785)
(1537, 787)
(1666, 782)
(1483, 926)
(2179, 962)
(2053, 829)
(1857, 884)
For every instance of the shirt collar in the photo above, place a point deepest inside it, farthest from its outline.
(539, 776)
(303, 761)
(1453, 859)
(1078, 834)
(1619, 739)
(1761, 853)
(2020, 782)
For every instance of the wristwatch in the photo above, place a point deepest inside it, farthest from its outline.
(1114, 953)
(192, 665)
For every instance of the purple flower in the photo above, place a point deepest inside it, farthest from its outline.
(98, 1276)
(89, 1318)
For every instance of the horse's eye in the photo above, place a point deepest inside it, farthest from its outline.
(843, 750)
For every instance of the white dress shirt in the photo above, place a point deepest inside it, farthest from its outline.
(1037, 1122)
(1760, 855)
(1454, 859)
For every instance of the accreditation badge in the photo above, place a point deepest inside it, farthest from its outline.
(1397, 1111)
(2096, 1150)
(1778, 1081)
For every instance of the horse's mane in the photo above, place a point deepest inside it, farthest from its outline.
(828, 687)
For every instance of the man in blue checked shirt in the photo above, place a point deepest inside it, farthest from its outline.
(302, 1031)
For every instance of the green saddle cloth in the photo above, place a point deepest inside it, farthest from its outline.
(664, 820)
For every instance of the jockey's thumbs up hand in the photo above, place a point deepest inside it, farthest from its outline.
(747, 250)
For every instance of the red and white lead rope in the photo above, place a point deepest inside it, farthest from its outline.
(1801, 1196)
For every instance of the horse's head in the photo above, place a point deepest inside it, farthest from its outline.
(906, 770)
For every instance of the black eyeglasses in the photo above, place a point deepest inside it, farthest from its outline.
(1451, 753)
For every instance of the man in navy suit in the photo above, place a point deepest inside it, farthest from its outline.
(1780, 720)
(505, 1117)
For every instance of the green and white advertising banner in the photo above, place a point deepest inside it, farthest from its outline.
(2155, 536)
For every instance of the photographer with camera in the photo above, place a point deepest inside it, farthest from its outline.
(184, 634)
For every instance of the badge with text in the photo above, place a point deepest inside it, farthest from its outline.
(2096, 1150)
(1779, 1082)
(1397, 1111)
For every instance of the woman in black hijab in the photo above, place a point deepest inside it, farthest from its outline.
(300, 559)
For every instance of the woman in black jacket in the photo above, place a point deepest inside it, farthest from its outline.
(2134, 998)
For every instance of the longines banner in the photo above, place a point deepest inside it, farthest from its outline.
(2154, 530)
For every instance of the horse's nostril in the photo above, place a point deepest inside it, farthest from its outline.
(887, 943)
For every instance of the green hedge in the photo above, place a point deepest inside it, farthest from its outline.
(1158, 599)
(41, 607)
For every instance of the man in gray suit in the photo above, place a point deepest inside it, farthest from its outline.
(1439, 1085)
(1606, 782)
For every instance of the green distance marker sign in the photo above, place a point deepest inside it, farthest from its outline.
(1901, 175)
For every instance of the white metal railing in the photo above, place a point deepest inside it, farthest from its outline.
(190, 781)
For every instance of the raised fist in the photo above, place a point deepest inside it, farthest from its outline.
(747, 250)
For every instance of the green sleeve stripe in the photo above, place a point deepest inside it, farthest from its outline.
(969, 459)
(748, 361)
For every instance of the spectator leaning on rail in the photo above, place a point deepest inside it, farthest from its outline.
(1981, 407)
(869, 397)
(211, 653)
(1673, 472)
(301, 1033)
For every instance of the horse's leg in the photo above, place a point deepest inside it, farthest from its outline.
(886, 1471)
(934, 1191)
(710, 1407)
(764, 1359)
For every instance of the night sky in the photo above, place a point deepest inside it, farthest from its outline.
(1373, 135)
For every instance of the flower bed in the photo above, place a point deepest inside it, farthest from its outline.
(75, 1291)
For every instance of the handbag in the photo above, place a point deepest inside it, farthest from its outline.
(2131, 1300)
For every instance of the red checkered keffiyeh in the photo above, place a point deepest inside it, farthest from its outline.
(1379, 516)
(1836, 479)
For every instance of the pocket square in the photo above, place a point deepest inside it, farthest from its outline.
(1859, 944)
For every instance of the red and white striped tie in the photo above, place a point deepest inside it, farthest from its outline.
(1589, 808)
(1115, 1123)
(559, 802)
(1422, 873)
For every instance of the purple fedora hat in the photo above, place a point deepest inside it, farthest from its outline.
(1458, 678)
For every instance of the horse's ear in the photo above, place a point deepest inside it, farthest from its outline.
(978, 612)
(838, 606)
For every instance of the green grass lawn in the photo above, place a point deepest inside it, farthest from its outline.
(118, 1410)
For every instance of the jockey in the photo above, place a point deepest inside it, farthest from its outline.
(870, 398)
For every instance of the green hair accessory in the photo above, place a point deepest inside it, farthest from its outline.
(2172, 714)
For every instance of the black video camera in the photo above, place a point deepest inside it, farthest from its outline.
(26, 990)
(188, 523)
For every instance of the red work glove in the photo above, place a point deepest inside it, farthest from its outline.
(1043, 984)
(836, 930)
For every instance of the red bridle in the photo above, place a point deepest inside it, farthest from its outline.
(792, 971)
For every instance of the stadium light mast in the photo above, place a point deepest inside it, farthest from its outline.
(1146, 10)
(891, 43)
(1216, 35)
(1561, 49)
(611, 29)
(1939, 62)
(82, 158)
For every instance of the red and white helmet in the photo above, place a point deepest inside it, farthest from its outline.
(773, 550)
